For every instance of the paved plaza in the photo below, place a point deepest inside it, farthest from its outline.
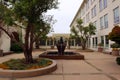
(96, 66)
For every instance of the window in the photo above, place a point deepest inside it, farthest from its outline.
(87, 17)
(106, 21)
(93, 11)
(102, 39)
(96, 41)
(87, 4)
(113, 0)
(93, 42)
(106, 41)
(92, 1)
(101, 23)
(100, 5)
(84, 20)
(116, 15)
(105, 3)
(95, 24)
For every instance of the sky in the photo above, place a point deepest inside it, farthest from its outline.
(64, 15)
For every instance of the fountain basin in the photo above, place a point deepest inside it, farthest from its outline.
(70, 55)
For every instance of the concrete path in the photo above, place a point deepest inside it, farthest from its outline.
(96, 66)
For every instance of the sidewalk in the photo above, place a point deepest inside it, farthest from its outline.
(96, 66)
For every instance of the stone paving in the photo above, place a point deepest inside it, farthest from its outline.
(96, 66)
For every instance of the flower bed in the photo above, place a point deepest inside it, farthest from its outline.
(29, 71)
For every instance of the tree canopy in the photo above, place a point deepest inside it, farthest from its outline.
(31, 14)
(84, 33)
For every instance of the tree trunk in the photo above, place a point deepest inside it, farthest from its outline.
(28, 57)
(28, 47)
(83, 43)
(83, 46)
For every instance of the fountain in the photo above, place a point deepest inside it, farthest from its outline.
(61, 46)
(61, 53)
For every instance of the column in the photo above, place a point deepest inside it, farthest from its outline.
(46, 42)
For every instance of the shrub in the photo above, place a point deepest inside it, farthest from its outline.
(115, 45)
(16, 48)
(114, 35)
(100, 44)
(118, 60)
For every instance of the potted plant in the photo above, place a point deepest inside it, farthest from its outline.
(115, 49)
(100, 47)
(118, 60)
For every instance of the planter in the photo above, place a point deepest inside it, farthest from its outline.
(100, 49)
(28, 73)
(115, 52)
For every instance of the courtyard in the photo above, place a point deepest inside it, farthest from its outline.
(96, 66)
(27, 25)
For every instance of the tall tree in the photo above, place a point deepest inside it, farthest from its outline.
(31, 14)
(84, 33)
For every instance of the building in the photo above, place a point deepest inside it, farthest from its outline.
(4, 42)
(54, 38)
(104, 14)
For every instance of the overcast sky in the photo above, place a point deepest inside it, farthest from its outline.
(64, 15)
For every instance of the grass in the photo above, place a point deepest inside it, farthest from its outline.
(19, 64)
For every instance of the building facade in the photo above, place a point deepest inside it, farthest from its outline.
(54, 38)
(4, 42)
(104, 14)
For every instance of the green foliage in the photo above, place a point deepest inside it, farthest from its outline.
(115, 45)
(32, 10)
(74, 31)
(114, 35)
(19, 64)
(91, 29)
(83, 32)
(118, 60)
(100, 44)
(16, 48)
(5, 15)
(31, 13)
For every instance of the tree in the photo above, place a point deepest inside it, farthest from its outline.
(114, 35)
(84, 33)
(31, 14)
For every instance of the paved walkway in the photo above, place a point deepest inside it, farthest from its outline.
(96, 66)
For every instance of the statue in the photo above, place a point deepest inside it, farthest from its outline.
(61, 46)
